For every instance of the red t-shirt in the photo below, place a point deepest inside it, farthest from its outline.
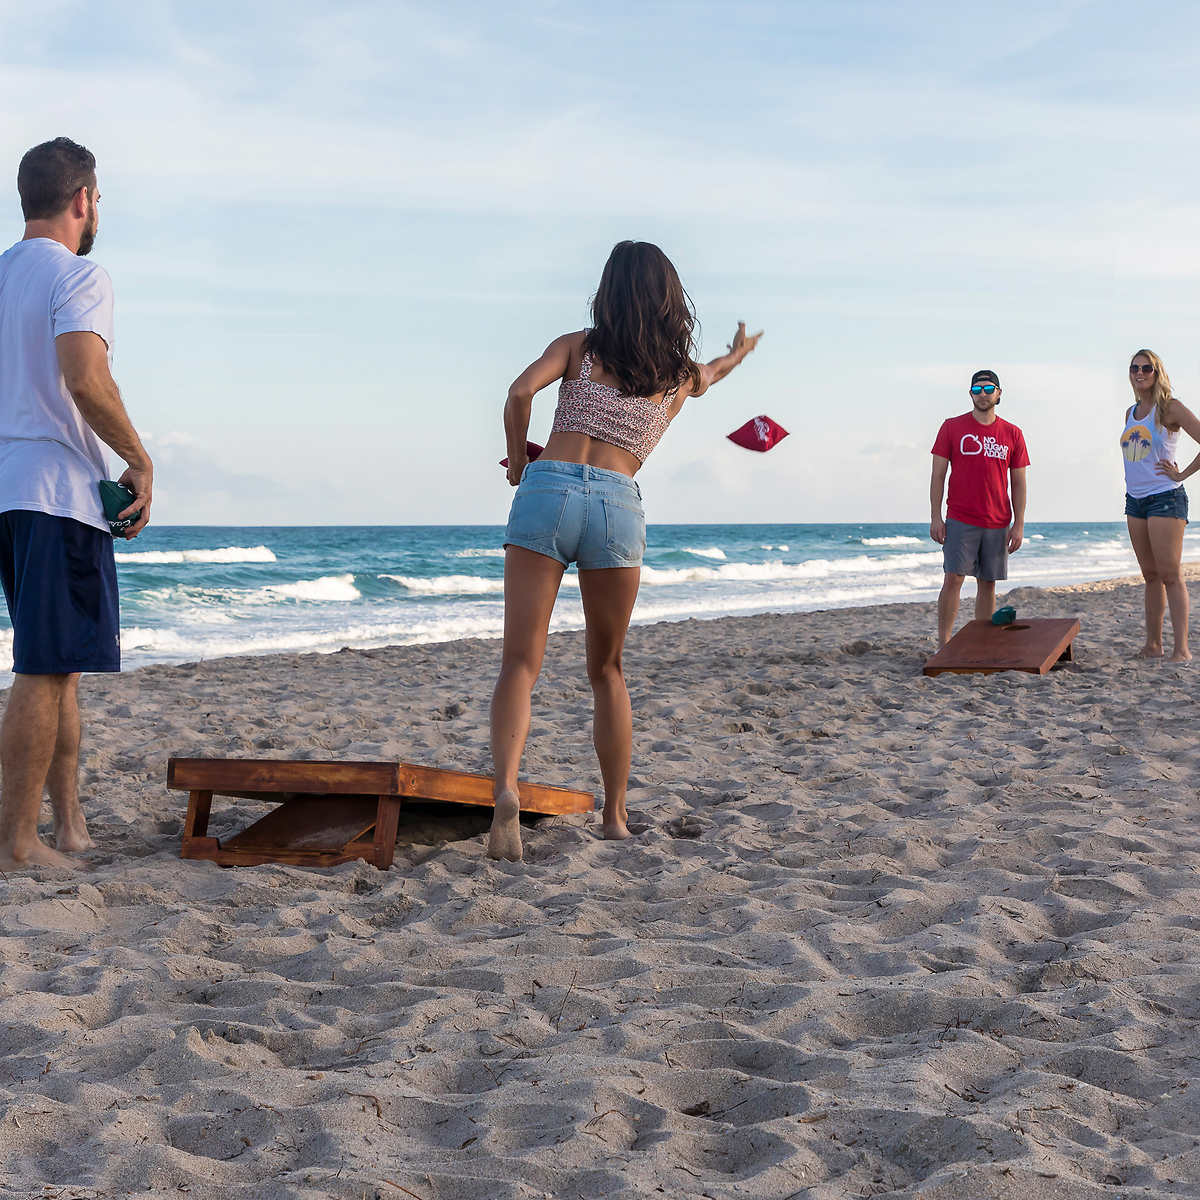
(981, 457)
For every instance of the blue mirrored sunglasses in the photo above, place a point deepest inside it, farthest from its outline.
(987, 387)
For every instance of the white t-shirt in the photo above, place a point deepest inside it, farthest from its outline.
(50, 460)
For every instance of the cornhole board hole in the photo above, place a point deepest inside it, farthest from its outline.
(981, 648)
(329, 812)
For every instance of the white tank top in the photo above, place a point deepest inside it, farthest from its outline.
(1144, 444)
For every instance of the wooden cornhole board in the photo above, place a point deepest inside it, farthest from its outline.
(981, 648)
(329, 812)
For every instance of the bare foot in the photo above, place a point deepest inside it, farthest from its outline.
(37, 854)
(1149, 651)
(504, 840)
(1181, 656)
(613, 825)
(72, 836)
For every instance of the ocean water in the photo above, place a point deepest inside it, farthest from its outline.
(193, 592)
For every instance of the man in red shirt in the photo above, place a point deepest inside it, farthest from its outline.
(984, 452)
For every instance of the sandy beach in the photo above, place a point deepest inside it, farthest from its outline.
(878, 934)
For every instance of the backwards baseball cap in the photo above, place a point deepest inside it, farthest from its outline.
(990, 376)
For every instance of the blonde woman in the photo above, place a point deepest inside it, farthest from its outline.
(1156, 506)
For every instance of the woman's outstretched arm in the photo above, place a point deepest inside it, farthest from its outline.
(539, 374)
(718, 367)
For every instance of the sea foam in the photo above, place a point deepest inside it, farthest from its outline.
(458, 585)
(448, 585)
(227, 554)
(326, 588)
(814, 568)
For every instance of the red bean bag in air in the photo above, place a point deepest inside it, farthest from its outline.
(759, 434)
(531, 448)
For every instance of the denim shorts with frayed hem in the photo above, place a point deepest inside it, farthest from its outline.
(1162, 504)
(575, 513)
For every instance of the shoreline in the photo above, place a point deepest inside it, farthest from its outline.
(1191, 571)
(188, 596)
(877, 933)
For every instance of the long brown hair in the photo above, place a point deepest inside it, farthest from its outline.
(642, 322)
(1162, 386)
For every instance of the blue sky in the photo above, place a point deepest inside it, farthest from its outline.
(338, 232)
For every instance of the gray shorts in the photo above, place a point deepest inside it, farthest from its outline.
(973, 550)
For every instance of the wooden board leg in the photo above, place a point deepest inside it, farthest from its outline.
(196, 822)
(387, 822)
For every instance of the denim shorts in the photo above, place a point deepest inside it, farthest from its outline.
(973, 550)
(1162, 504)
(575, 513)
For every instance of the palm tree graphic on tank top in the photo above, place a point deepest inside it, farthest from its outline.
(1135, 443)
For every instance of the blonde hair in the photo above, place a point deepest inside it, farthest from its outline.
(1162, 385)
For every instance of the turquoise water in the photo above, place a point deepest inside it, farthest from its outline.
(191, 592)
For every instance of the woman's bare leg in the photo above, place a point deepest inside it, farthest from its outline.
(1166, 540)
(608, 599)
(530, 588)
(1139, 537)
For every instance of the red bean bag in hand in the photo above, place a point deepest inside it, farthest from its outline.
(532, 449)
(759, 434)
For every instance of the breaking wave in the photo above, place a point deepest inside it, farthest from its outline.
(228, 554)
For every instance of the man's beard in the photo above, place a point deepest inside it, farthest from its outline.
(88, 238)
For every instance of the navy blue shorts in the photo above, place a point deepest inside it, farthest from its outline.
(60, 582)
(1162, 504)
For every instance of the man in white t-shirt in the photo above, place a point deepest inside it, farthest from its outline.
(58, 402)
